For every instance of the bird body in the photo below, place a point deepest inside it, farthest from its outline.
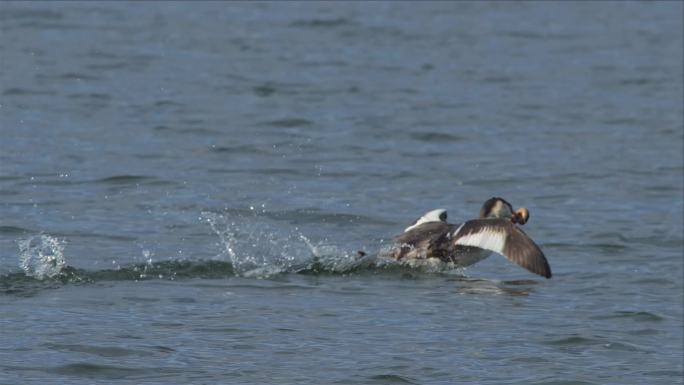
(474, 240)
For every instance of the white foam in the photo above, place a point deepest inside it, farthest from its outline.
(41, 256)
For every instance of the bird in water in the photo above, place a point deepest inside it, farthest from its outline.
(430, 236)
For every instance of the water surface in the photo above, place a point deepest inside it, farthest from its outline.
(184, 187)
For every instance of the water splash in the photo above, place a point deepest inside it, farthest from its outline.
(256, 247)
(252, 246)
(42, 256)
(146, 267)
(331, 258)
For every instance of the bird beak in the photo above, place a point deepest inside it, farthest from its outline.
(521, 216)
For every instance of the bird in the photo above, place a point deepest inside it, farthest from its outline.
(431, 236)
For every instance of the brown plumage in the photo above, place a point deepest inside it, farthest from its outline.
(474, 240)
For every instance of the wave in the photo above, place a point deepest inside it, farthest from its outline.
(28, 284)
(255, 247)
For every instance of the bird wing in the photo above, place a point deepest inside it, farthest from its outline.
(437, 215)
(505, 238)
(423, 231)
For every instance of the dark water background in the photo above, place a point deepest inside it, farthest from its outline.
(183, 188)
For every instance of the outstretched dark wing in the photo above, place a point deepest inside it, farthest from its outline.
(505, 238)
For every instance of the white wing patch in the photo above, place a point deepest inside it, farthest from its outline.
(487, 238)
(438, 215)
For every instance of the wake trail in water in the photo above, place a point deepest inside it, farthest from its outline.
(251, 246)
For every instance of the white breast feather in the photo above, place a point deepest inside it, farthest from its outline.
(488, 238)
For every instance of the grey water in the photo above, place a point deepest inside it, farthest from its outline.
(184, 187)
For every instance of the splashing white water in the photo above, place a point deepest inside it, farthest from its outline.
(258, 248)
(42, 256)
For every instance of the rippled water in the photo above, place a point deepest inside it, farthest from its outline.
(184, 188)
